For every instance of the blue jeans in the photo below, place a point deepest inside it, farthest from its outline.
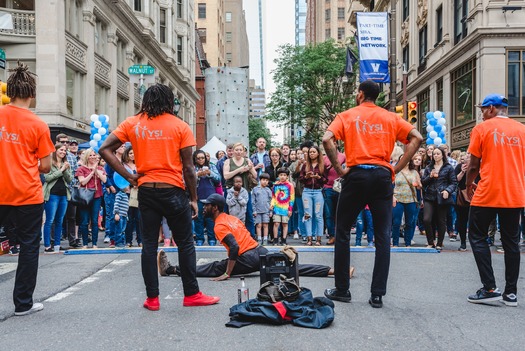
(330, 204)
(200, 223)
(452, 216)
(119, 235)
(300, 216)
(250, 223)
(313, 202)
(88, 213)
(55, 209)
(134, 223)
(109, 201)
(364, 223)
(410, 210)
(293, 224)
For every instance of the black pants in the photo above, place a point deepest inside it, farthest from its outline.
(479, 222)
(28, 219)
(361, 187)
(71, 222)
(438, 213)
(173, 204)
(461, 223)
(249, 262)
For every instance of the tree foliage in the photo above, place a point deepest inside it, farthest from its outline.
(256, 129)
(310, 89)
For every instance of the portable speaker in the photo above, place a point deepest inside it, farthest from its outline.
(275, 264)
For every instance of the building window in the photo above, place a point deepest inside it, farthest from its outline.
(74, 18)
(179, 50)
(341, 13)
(460, 20)
(406, 57)
(327, 33)
(228, 17)
(340, 33)
(406, 9)
(422, 45)
(162, 26)
(439, 24)
(228, 37)
(137, 5)
(202, 10)
(121, 55)
(327, 13)
(229, 57)
(463, 83)
(26, 5)
(74, 92)
(423, 107)
(101, 38)
(439, 88)
(122, 109)
(101, 99)
(179, 8)
(202, 34)
(516, 82)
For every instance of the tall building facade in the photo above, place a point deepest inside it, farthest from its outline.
(256, 100)
(237, 48)
(300, 22)
(81, 51)
(210, 21)
(455, 53)
(327, 19)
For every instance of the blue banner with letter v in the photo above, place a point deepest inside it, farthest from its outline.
(372, 29)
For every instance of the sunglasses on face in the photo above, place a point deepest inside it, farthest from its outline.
(64, 141)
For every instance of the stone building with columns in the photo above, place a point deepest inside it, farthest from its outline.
(81, 51)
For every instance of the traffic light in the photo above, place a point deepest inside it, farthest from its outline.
(399, 111)
(412, 112)
(4, 99)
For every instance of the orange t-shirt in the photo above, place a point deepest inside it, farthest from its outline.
(369, 133)
(499, 143)
(226, 224)
(24, 139)
(157, 143)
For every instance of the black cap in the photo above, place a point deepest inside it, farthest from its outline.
(73, 142)
(215, 199)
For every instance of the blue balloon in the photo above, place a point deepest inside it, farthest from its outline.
(120, 181)
(105, 125)
(102, 118)
(430, 115)
(444, 141)
(433, 122)
(91, 136)
(92, 125)
(441, 135)
(438, 127)
(430, 141)
(104, 137)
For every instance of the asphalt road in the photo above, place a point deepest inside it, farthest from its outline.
(94, 302)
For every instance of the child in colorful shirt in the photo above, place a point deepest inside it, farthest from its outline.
(282, 204)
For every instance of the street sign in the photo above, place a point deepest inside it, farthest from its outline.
(2, 59)
(141, 69)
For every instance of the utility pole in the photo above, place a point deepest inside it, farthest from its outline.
(393, 58)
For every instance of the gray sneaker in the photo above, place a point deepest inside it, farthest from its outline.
(510, 300)
(35, 308)
(162, 263)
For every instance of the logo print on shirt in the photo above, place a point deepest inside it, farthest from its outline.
(365, 128)
(144, 133)
(9, 137)
(505, 140)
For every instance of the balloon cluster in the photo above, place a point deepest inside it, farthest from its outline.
(99, 131)
(436, 128)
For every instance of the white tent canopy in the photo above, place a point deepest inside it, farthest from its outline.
(212, 146)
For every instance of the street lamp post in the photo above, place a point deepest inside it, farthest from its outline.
(176, 106)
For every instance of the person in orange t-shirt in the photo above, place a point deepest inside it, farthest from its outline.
(369, 134)
(162, 144)
(497, 148)
(243, 251)
(25, 151)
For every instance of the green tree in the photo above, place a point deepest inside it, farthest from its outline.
(256, 129)
(311, 87)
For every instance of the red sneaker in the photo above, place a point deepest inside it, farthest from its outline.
(152, 303)
(199, 299)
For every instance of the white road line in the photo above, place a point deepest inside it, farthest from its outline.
(69, 291)
(7, 267)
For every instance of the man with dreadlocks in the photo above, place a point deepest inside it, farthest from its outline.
(25, 150)
(163, 154)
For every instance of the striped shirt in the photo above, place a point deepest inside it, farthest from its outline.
(121, 206)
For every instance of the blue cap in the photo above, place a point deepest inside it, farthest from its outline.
(494, 100)
(215, 199)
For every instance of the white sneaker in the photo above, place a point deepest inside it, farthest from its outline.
(35, 308)
(296, 236)
(106, 239)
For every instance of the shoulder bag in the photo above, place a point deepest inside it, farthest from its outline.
(83, 196)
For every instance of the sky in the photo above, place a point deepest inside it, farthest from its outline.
(278, 29)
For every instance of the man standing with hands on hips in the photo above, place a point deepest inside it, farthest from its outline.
(497, 154)
(369, 133)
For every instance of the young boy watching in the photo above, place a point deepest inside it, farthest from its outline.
(282, 204)
(237, 199)
(261, 199)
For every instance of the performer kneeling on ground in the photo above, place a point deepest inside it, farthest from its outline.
(243, 250)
